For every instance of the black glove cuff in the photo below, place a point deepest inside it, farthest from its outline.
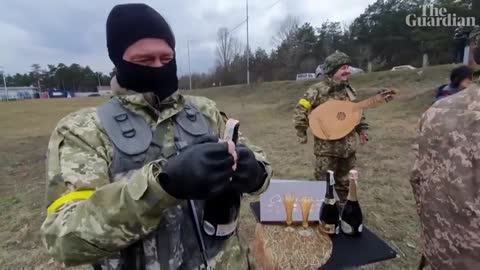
(262, 176)
(361, 127)
(162, 179)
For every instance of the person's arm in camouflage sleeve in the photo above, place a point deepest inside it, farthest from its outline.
(363, 125)
(416, 174)
(416, 178)
(89, 218)
(362, 129)
(300, 117)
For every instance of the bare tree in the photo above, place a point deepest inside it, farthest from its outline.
(227, 48)
(286, 30)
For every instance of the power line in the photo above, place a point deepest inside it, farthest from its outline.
(228, 33)
(274, 4)
(244, 21)
(236, 27)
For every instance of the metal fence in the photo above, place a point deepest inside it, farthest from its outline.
(18, 96)
(13, 98)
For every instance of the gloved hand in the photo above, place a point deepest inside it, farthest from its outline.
(303, 140)
(363, 137)
(250, 174)
(198, 172)
(302, 136)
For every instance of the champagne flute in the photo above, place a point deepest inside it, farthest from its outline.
(289, 203)
(306, 205)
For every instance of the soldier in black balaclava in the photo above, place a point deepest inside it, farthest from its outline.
(128, 180)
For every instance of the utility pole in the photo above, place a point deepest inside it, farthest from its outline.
(98, 78)
(248, 51)
(189, 67)
(4, 82)
(5, 85)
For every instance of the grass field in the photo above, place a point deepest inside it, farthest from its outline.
(265, 111)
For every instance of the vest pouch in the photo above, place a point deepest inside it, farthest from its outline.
(122, 163)
(190, 125)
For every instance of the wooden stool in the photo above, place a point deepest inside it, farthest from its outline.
(277, 247)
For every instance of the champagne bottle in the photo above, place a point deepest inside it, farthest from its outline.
(220, 214)
(351, 219)
(329, 214)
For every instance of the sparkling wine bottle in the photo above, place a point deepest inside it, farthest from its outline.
(351, 219)
(220, 214)
(329, 214)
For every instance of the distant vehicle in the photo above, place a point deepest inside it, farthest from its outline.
(353, 70)
(56, 93)
(404, 67)
(319, 71)
(305, 76)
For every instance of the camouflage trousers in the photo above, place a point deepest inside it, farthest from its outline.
(341, 167)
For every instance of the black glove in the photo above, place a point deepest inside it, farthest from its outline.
(200, 171)
(250, 174)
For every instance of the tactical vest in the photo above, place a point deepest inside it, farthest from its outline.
(174, 244)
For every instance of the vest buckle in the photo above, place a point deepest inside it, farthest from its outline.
(191, 113)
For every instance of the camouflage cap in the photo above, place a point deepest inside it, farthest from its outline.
(475, 36)
(459, 29)
(334, 61)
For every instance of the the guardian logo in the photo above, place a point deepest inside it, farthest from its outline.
(438, 17)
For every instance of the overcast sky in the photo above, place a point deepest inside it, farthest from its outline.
(73, 31)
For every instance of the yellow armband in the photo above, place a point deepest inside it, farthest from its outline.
(68, 198)
(307, 105)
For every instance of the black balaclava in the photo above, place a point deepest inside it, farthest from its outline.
(127, 24)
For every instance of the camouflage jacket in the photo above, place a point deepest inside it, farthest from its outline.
(85, 229)
(445, 181)
(316, 95)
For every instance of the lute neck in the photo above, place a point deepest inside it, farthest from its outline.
(369, 103)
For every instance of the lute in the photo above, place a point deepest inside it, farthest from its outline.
(335, 119)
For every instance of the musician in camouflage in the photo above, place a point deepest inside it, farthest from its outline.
(475, 51)
(102, 212)
(336, 155)
(445, 181)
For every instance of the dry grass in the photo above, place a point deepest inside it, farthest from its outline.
(266, 114)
